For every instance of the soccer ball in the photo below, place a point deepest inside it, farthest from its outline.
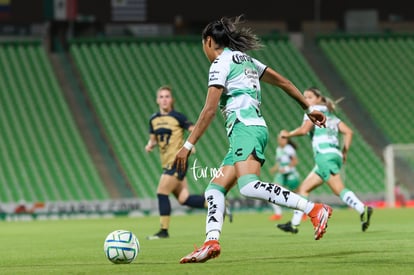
(121, 247)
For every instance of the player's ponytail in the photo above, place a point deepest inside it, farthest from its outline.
(329, 103)
(227, 32)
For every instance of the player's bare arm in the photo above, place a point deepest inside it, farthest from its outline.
(306, 126)
(347, 139)
(272, 77)
(152, 142)
(190, 129)
(204, 120)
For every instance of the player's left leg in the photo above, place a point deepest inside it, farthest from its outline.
(185, 198)
(333, 164)
(216, 203)
(311, 182)
(166, 184)
(349, 197)
(251, 187)
(277, 212)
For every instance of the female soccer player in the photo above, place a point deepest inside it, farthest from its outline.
(328, 158)
(284, 170)
(234, 85)
(166, 130)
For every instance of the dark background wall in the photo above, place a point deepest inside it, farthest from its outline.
(293, 12)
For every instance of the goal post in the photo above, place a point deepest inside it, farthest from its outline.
(399, 172)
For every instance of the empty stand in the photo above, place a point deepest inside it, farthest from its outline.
(122, 77)
(285, 58)
(378, 69)
(43, 156)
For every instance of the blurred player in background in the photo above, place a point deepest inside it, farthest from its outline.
(234, 86)
(329, 158)
(284, 169)
(166, 128)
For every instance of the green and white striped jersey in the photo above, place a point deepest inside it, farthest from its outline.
(284, 156)
(325, 140)
(239, 75)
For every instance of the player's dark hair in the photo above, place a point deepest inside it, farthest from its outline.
(227, 32)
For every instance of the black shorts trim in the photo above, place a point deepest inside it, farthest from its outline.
(173, 172)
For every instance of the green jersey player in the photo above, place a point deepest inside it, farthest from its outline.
(234, 85)
(329, 159)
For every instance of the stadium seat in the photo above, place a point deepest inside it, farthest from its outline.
(122, 77)
(43, 154)
(378, 69)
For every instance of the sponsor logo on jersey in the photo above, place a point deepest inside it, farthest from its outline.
(240, 58)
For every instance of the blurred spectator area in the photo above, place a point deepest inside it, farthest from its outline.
(76, 18)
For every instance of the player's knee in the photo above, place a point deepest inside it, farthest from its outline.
(182, 200)
(245, 194)
(245, 190)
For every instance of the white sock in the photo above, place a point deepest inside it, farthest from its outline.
(348, 197)
(297, 217)
(216, 206)
(251, 187)
(277, 210)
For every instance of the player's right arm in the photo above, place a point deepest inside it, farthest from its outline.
(205, 118)
(152, 142)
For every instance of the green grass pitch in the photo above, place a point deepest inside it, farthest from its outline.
(250, 245)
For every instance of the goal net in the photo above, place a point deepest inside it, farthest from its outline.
(399, 174)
